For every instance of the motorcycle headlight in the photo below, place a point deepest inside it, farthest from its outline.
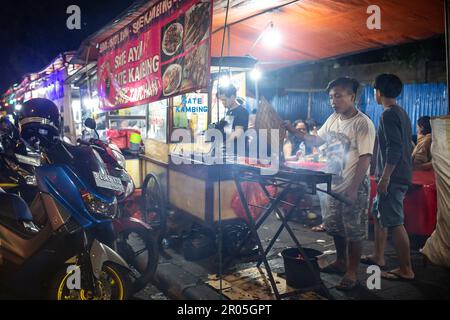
(119, 158)
(97, 206)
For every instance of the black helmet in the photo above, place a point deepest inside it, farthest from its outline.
(39, 120)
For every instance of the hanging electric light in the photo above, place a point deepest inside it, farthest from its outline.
(255, 74)
(271, 37)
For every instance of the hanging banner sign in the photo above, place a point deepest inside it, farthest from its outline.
(163, 53)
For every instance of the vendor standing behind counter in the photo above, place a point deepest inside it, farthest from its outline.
(235, 122)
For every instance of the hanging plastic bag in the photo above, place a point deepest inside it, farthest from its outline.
(254, 195)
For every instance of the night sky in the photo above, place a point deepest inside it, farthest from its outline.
(33, 33)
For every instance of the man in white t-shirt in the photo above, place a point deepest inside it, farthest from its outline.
(349, 136)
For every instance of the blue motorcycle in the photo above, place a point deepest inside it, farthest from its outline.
(58, 242)
(62, 234)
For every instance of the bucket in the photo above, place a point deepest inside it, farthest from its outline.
(298, 274)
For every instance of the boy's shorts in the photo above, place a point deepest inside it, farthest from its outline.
(347, 221)
(388, 208)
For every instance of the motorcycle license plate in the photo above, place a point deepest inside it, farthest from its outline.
(108, 182)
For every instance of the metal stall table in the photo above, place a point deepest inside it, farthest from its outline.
(297, 182)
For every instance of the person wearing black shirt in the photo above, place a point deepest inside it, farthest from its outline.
(236, 119)
(393, 173)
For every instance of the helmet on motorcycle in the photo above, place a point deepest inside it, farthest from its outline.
(39, 120)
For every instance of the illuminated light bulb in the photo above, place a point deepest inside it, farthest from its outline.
(271, 37)
(18, 107)
(255, 74)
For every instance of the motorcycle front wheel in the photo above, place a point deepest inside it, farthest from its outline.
(141, 252)
(113, 284)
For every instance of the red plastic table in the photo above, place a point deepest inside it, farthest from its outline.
(420, 204)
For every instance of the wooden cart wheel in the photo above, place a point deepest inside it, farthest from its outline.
(154, 206)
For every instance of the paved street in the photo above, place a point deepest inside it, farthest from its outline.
(178, 278)
(431, 282)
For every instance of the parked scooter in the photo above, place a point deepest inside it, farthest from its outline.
(136, 240)
(56, 242)
(151, 207)
(130, 237)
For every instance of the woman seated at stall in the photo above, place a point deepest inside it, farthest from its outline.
(313, 127)
(292, 143)
(422, 154)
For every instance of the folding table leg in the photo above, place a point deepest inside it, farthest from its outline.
(280, 229)
(255, 234)
(264, 216)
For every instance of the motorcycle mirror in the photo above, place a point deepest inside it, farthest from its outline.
(90, 123)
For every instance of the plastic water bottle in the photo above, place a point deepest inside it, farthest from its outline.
(302, 149)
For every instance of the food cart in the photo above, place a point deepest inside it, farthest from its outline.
(192, 188)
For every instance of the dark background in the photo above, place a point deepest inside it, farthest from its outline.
(33, 33)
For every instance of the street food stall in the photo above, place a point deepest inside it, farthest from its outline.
(157, 56)
(156, 59)
(156, 70)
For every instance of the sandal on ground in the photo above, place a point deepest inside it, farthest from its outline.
(347, 284)
(392, 275)
(331, 268)
(319, 228)
(369, 260)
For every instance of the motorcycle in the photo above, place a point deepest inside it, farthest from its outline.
(56, 243)
(130, 237)
(135, 239)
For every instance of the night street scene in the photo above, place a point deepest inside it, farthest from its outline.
(240, 151)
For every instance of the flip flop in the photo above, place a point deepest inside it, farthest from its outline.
(347, 284)
(368, 260)
(332, 269)
(391, 275)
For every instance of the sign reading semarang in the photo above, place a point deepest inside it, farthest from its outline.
(162, 53)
